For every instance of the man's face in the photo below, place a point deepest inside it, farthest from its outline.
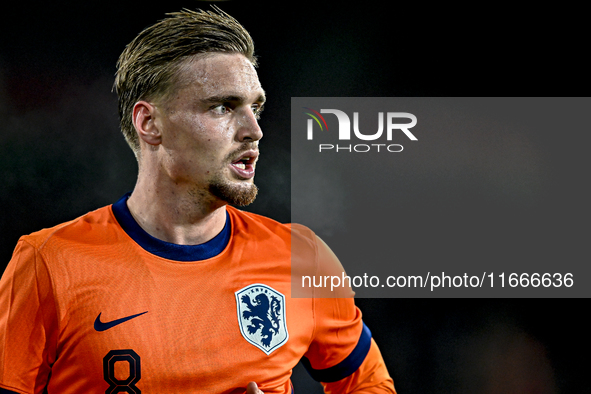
(209, 127)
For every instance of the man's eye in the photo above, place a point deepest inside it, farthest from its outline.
(220, 109)
(257, 110)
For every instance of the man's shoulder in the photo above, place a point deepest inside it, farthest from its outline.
(75, 229)
(250, 220)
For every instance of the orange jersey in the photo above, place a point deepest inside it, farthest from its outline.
(97, 305)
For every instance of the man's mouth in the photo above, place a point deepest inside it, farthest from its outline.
(245, 164)
(246, 159)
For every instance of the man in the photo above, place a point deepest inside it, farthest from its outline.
(170, 289)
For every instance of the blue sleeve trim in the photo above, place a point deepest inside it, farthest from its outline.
(168, 250)
(4, 391)
(345, 367)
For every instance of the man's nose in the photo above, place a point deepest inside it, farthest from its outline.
(248, 127)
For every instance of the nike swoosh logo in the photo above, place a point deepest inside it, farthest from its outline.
(100, 326)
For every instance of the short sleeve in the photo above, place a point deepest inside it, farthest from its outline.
(28, 322)
(343, 355)
(341, 340)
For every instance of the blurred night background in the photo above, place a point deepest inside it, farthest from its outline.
(62, 155)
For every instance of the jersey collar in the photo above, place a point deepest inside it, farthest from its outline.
(169, 250)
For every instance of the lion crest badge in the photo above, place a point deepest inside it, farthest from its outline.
(261, 316)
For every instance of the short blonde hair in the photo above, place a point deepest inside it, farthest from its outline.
(147, 68)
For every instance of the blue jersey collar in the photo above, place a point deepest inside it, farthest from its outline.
(169, 250)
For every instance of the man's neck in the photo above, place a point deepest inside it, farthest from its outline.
(176, 216)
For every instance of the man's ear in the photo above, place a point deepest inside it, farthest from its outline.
(144, 123)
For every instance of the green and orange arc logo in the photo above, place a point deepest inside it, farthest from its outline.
(315, 117)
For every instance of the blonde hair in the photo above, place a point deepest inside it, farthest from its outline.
(148, 66)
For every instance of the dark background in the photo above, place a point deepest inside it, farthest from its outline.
(61, 153)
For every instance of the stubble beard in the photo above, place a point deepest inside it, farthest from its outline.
(234, 193)
(239, 193)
